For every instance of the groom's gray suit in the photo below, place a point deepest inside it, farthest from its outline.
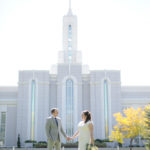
(53, 131)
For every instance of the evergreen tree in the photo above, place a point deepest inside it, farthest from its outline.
(147, 127)
(18, 142)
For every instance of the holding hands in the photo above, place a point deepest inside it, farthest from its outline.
(69, 138)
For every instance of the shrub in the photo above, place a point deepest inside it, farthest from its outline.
(41, 144)
(70, 145)
(98, 140)
(99, 143)
(106, 140)
(18, 142)
(30, 141)
(102, 140)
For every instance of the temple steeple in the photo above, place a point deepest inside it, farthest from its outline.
(70, 10)
(70, 53)
(69, 4)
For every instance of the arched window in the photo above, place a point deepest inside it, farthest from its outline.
(69, 107)
(33, 86)
(106, 108)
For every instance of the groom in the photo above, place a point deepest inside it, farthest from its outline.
(54, 130)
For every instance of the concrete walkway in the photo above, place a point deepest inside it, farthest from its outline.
(139, 148)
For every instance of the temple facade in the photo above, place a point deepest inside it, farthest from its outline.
(72, 88)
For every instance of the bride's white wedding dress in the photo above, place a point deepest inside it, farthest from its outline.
(84, 135)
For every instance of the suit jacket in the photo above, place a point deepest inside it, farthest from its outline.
(52, 130)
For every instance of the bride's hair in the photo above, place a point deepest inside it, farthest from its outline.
(88, 115)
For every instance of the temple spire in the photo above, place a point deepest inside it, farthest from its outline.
(69, 4)
(70, 11)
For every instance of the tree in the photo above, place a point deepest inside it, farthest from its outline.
(18, 142)
(129, 125)
(146, 133)
(117, 136)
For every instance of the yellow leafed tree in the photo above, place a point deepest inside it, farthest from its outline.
(129, 125)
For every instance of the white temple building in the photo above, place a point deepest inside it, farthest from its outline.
(72, 88)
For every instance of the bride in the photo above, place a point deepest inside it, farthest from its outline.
(85, 131)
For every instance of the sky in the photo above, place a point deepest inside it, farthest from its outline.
(112, 35)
